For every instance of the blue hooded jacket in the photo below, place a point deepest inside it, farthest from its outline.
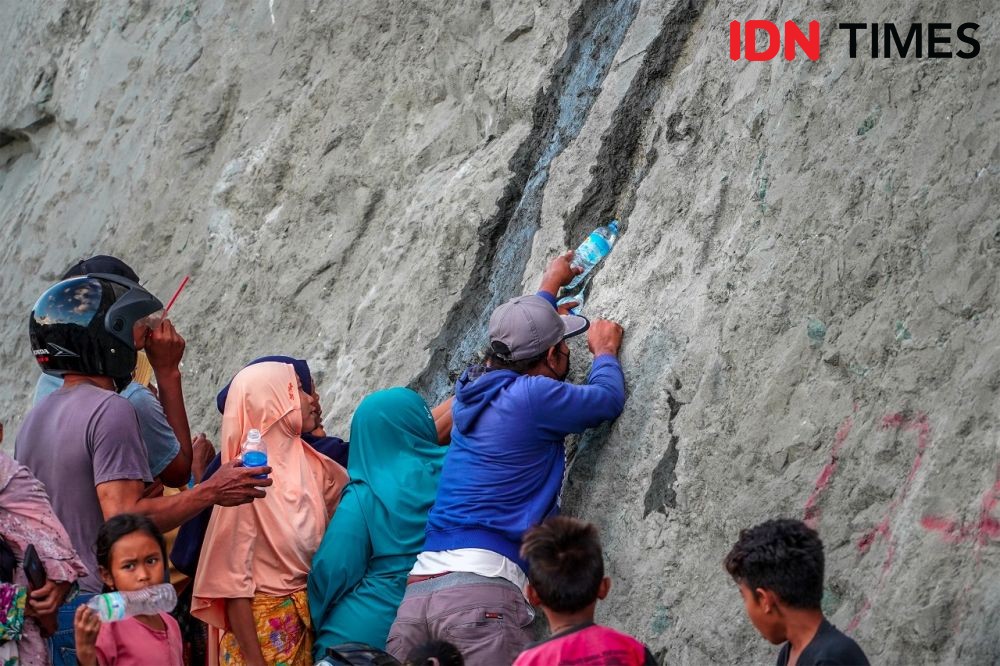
(504, 468)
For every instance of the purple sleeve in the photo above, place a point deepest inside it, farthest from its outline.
(564, 408)
(117, 449)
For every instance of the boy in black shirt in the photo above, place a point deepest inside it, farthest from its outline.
(778, 566)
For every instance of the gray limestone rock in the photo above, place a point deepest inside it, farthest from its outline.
(807, 274)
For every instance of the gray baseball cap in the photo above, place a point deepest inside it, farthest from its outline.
(526, 326)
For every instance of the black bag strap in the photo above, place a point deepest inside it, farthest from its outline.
(360, 654)
(8, 563)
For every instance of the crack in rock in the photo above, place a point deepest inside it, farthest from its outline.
(596, 32)
(662, 494)
(626, 152)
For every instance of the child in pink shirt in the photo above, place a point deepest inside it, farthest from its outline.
(130, 553)
(566, 578)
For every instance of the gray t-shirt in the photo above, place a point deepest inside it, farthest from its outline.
(73, 441)
(161, 443)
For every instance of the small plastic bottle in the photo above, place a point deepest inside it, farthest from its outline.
(591, 251)
(115, 606)
(253, 453)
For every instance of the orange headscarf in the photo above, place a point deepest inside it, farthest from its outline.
(265, 547)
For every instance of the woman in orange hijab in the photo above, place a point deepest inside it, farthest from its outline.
(251, 582)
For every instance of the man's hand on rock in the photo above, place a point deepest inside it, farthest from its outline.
(559, 273)
(234, 484)
(604, 337)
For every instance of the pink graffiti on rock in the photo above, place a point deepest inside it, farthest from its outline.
(982, 530)
(922, 427)
(919, 424)
(811, 511)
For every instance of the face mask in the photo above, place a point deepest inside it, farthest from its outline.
(560, 377)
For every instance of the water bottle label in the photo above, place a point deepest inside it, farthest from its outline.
(588, 256)
(110, 607)
(600, 243)
(255, 459)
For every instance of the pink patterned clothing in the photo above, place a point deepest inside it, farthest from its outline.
(26, 517)
(132, 643)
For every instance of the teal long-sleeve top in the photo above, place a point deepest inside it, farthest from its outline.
(353, 591)
(359, 572)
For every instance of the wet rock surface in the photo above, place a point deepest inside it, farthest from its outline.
(808, 270)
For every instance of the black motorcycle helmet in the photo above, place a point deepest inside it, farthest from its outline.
(84, 325)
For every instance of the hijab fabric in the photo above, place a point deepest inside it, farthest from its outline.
(359, 572)
(186, 551)
(26, 517)
(396, 458)
(266, 546)
(301, 370)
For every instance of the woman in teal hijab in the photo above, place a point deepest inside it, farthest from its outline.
(359, 572)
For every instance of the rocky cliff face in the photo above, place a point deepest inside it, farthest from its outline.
(807, 273)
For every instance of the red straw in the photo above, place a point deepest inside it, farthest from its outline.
(176, 294)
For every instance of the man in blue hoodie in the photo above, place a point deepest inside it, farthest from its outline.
(503, 474)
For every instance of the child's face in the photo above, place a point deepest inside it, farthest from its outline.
(136, 562)
(764, 614)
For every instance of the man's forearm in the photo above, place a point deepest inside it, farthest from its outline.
(550, 286)
(172, 398)
(606, 373)
(170, 512)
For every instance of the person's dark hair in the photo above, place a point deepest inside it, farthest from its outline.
(101, 263)
(565, 564)
(783, 556)
(435, 653)
(520, 367)
(122, 525)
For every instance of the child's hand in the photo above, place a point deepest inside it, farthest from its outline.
(86, 626)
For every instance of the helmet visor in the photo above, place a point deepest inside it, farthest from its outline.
(71, 302)
(132, 305)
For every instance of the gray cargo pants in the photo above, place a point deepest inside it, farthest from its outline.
(487, 619)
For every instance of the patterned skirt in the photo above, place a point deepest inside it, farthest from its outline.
(284, 630)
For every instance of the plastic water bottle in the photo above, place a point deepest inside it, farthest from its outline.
(151, 600)
(254, 452)
(591, 251)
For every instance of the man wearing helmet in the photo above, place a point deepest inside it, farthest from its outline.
(170, 450)
(84, 442)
